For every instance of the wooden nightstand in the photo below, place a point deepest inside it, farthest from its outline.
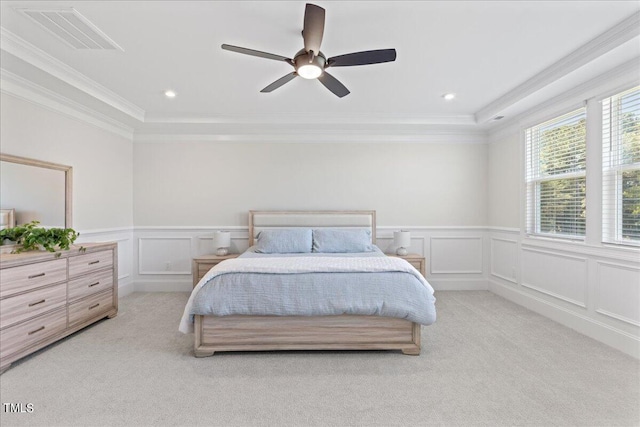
(416, 260)
(202, 264)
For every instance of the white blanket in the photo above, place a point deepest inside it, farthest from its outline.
(299, 265)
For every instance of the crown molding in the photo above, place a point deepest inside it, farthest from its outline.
(14, 85)
(332, 133)
(30, 54)
(605, 42)
(617, 79)
(323, 119)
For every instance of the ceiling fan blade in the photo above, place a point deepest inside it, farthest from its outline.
(333, 85)
(313, 28)
(256, 53)
(282, 80)
(362, 58)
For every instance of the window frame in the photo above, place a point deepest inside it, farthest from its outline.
(533, 178)
(612, 172)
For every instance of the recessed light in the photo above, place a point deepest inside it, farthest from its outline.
(169, 94)
(449, 96)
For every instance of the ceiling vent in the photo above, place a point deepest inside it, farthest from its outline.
(71, 27)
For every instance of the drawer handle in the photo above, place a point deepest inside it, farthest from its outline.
(94, 306)
(37, 330)
(94, 284)
(36, 303)
(94, 262)
(36, 275)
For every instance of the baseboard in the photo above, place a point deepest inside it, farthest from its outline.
(618, 339)
(459, 284)
(125, 288)
(164, 286)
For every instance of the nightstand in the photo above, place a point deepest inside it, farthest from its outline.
(416, 260)
(202, 264)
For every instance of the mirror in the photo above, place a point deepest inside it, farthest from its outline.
(35, 190)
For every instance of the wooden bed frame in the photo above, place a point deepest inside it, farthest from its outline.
(345, 332)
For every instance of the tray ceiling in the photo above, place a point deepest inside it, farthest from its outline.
(499, 58)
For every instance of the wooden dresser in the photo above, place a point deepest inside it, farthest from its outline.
(46, 296)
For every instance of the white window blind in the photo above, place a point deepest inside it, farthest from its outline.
(621, 168)
(556, 176)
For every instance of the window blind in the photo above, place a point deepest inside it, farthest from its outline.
(556, 176)
(621, 168)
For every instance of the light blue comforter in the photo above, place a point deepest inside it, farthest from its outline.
(402, 294)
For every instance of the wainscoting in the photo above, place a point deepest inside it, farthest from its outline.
(594, 290)
(162, 255)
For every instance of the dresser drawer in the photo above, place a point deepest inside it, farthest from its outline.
(90, 307)
(19, 337)
(87, 263)
(21, 307)
(29, 276)
(90, 284)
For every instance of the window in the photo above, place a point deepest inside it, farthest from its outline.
(556, 176)
(621, 167)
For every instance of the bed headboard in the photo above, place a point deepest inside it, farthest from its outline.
(264, 220)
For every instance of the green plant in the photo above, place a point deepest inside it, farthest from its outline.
(31, 237)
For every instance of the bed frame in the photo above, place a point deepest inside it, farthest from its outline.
(345, 332)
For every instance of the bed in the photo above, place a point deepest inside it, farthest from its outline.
(256, 328)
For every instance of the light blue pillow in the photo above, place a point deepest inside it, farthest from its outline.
(334, 240)
(284, 241)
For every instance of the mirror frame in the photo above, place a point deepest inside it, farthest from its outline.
(68, 179)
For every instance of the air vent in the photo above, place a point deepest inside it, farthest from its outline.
(71, 27)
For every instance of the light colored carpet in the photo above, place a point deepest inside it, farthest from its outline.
(485, 362)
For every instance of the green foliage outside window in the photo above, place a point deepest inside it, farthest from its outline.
(631, 179)
(562, 201)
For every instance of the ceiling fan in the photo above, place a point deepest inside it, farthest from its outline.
(311, 63)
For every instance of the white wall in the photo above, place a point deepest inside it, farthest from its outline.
(504, 178)
(102, 169)
(588, 286)
(183, 191)
(211, 183)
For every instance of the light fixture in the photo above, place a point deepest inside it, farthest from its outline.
(309, 71)
(309, 66)
(169, 94)
(449, 96)
(221, 242)
(402, 239)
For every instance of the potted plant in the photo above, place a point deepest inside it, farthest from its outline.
(29, 237)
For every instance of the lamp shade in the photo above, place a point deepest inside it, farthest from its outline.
(221, 239)
(402, 239)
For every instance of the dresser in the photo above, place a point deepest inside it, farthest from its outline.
(46, 296)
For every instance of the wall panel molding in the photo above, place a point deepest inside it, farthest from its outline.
(557, 281)
(618, 292)
(456, 255)
(172, 254)
(587, 288)
(506, 272)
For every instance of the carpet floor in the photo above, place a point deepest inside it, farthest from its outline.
(486, 362)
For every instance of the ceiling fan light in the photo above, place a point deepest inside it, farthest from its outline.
(309, 71)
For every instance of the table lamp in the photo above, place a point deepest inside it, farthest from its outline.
(221, 242)
(402, 239)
